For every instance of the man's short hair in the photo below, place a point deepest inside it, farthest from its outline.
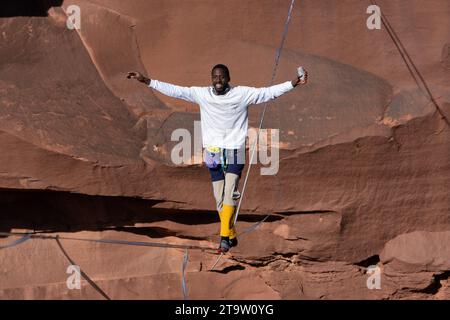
(222, 67)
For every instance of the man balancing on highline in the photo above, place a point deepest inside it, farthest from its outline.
(224, 123)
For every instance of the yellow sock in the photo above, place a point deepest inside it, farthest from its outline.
(233, 228)
(225, 221)
(233, 233)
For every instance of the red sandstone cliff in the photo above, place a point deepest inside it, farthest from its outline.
(364, 173)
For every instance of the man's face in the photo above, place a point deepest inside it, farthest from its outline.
(219, 80)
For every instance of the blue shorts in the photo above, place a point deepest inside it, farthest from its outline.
(234, 163)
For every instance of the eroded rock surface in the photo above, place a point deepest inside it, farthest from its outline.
(364, 174)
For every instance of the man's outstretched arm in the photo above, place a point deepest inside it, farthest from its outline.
(261, 95)
(167, 89)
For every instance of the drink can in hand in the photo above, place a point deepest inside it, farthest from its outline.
(301, 73)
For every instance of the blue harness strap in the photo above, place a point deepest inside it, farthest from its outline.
(224, 160)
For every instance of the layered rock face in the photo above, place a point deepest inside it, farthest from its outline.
(358, 209)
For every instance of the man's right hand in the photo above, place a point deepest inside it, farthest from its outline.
(138, 76)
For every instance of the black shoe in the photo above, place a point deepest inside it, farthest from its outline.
(224, 245)
(233, 242)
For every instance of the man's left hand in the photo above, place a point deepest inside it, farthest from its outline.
(302, 80)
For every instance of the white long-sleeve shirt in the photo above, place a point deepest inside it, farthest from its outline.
(223, 118)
